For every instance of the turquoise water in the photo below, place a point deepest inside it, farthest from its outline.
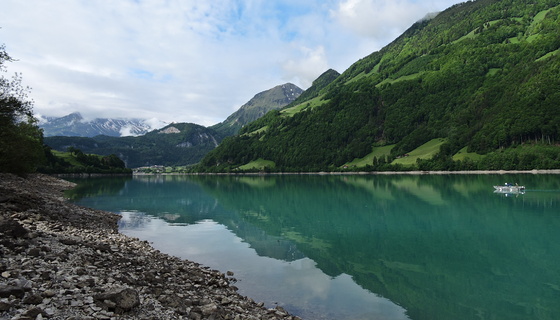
(357, 247)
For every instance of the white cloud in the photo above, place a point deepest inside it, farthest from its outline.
(127, 131)
(154, 123)
(307, 67)
(384, 18)
(187, 60)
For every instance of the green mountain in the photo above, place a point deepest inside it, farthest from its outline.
(475, 87)
(175, 144)
(319, 84)
(178, 144)
(257, 107)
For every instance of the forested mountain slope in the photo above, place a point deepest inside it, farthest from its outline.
(484, 75)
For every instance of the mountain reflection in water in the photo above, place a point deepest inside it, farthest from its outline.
(439, 246)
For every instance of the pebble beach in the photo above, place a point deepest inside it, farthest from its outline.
(62, 261)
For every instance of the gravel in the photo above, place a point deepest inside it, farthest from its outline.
(62, 261)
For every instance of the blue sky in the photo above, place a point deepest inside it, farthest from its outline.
(188, 60)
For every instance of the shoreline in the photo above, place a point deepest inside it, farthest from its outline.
(415, 172)
(63, 261)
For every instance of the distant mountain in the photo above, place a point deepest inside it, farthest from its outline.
(74, 125)
(175, 144)
(258, 106)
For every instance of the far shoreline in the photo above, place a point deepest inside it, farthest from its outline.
(414, 172)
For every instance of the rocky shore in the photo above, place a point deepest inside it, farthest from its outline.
(62, 261)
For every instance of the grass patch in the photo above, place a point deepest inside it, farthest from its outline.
(259, 164)
(376, 68)
(252, 133)
(492, 71)
(473, 33)
(356, 78)
(532, 37)
(463, 154)
(469, 35)
(539, 17)
(70, 158)
(368, 159)
(364, 74)
(548, 55)
(66, 156)
(425, 151)
(295, 109)
(313, 103)
(403, 78)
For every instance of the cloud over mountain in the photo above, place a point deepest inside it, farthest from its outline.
(194, 61)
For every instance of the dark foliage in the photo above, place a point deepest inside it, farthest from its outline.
(83, 163)
(20, 138)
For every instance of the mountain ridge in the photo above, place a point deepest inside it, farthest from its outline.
(74, 124)
(176, 144)
(263, 102)
(480, 75)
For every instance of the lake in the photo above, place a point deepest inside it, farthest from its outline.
(381, 247)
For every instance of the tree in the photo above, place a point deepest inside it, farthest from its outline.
(113, 161)
(21, 147)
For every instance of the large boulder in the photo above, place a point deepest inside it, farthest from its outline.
(11, 228)
(120, 300)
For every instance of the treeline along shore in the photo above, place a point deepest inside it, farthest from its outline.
(408, 172)
(62, 261)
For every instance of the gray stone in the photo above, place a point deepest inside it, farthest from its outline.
(209, 309)
(5, 305)
(7, 290)
(124, 299)
(11, 228)
(33, 312)
(34, 252)
(49, 293)
(33, 299)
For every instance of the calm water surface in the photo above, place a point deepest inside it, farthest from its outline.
(357, 247)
